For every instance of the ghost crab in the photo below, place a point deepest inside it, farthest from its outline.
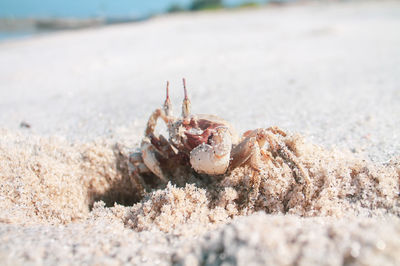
(207, 144)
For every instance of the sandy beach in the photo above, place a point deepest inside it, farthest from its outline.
(74, 106)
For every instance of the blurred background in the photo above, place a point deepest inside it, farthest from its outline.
(20, 18)
(329, 70)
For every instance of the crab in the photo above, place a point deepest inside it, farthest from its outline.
(204, 143)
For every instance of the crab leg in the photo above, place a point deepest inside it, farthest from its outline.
(156, 147)
(249, 150)
(135, 158)
(246, 150)
(149, 156)
(300, 174)
(282, 150)
(136, 167)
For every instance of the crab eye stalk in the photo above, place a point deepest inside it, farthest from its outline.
(167, 103)
(186, 102)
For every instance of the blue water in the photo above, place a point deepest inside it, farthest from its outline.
(91, 8)
(111, 9)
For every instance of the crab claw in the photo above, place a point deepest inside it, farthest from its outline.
(213, 158)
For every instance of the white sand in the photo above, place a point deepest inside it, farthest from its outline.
(329, 72)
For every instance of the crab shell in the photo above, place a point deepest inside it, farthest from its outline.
(207, 139)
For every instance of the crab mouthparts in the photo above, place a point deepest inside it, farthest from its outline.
(194, 140)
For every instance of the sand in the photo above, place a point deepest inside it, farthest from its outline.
(73, 107)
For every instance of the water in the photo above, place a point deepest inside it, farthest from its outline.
(4, 35)
(92, 8)
(112, 10)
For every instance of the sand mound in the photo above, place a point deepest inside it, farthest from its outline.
(289, 240)
(49, 180)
